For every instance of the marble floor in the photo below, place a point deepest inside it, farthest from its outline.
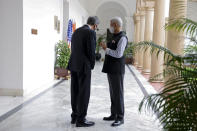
(8, 103)
(51, 111)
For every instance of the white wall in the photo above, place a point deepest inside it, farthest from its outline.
(11, 46)
(65, 18)
(93, 5)
(39, 54)
(26, 60)
(77, 12)
(72, 9)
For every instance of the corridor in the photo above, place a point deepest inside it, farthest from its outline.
(51, 111)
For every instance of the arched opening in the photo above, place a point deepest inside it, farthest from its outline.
(108, 10)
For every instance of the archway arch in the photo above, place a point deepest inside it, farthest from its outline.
(108, 9)
(121, 5)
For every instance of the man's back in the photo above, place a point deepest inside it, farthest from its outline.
(82, 50)
(81, 62)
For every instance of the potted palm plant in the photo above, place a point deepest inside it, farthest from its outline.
(176, 104)
(129, 54)
(62, 57)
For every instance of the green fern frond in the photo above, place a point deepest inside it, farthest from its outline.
(176, 104)
(183, 24)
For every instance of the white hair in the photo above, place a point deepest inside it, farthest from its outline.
(117, 20)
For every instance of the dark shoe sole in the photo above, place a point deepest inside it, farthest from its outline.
(78, 125)
(108, 119)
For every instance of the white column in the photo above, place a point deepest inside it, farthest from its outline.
(148, 37)
(178, 9)
(158, 37)
(137, 39)
(142, 29)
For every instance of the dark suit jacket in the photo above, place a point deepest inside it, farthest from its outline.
(83, 47)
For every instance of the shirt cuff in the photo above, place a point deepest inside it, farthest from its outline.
(107, 50)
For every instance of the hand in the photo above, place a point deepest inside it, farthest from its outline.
(103, 45)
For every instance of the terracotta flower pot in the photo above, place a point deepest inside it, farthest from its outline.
(129, 60)
(61, 73)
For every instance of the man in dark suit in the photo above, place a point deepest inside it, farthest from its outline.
(81, 63)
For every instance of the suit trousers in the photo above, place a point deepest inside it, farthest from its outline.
(80, 94)
(116, 88)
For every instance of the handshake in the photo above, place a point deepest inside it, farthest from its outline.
(103, 45)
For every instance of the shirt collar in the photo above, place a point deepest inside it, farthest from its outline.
(88, 26)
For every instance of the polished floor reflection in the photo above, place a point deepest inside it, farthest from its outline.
(51, 111)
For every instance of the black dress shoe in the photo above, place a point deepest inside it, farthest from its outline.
(73, 121)
(85, 123)
(110, 118)
(117, 123)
